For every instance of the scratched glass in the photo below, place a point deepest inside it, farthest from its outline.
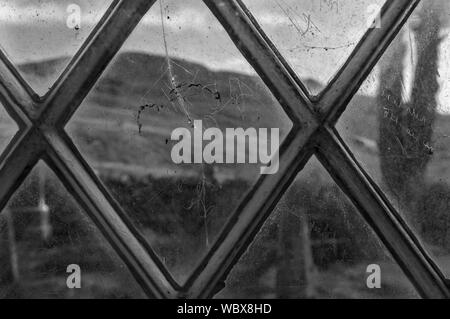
(42, 232)
(179, 66)
(316, 245)
(316, 37)
(40, 37)
(8, 128)
(398, 127)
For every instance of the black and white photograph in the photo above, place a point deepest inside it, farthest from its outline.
(245, 151)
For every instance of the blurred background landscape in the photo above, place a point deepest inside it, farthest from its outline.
(314, 245)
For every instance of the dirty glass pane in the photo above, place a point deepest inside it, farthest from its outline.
(316, 245)
(315, 36)
(8, 128)
(41, 37)
(178, 71)
(398, 127)
(45, 236)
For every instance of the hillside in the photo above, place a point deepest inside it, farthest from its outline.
(128, 117)
(123, 129)
(135, 79)
(125, 123)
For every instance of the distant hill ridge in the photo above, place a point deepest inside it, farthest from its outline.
(135, 78)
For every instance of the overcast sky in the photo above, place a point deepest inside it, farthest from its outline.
(31, 30)
(315, 38)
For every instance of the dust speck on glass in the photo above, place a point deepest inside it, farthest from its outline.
(179, 66)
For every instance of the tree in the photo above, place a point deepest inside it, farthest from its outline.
(406, 125)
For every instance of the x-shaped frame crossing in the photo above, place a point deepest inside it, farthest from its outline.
(41, 136)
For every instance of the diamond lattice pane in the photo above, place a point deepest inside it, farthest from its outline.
(40, 37)
(45, 236)
(316, 245)
(398, 127)
(179, 70)
(315, 37)
(8, 128)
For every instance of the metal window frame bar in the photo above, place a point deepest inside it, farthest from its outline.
(41, 136)
(255, 48)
